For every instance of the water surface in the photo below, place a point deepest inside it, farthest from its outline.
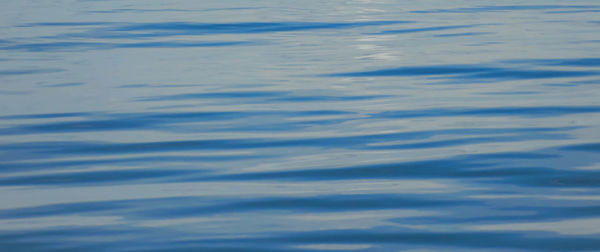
(299, 126)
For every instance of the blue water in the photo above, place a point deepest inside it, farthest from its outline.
(299, 125)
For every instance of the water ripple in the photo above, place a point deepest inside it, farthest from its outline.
(321, 126)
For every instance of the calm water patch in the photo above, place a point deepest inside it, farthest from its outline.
(321, 126)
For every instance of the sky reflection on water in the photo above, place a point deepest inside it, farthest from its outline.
(278, 126)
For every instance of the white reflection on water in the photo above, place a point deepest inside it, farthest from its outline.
(583, 226)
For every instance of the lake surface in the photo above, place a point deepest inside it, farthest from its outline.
(299, 125)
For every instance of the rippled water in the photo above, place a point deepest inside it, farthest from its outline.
(299, 125)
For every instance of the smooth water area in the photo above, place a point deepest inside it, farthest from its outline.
(350, 125)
